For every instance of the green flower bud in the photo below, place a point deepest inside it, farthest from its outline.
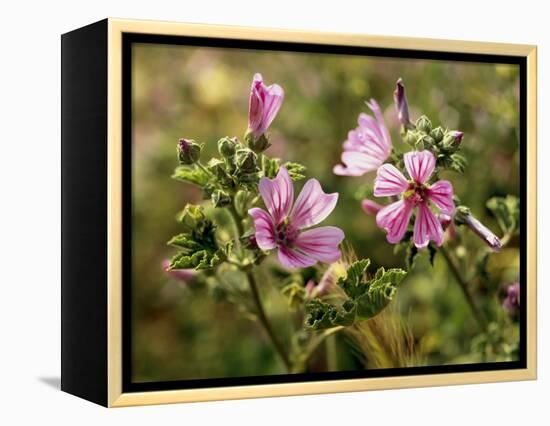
(428, 141)
(192, 216)
(424, 124)
(246, 160)
(220, 198)
(217, 167)
(437, 134)
(189, 151)
(227, 147)
(410, 137)
(258, 145)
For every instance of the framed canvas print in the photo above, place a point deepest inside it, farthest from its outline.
(251, 212)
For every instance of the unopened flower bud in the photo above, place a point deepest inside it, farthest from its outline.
(217, 167)
(424, 124)
(437, 134)
(227, 147)
(452, 139)
(246, 160)
(189, 151)
(220, 198)
(401, 106)
(463, 216)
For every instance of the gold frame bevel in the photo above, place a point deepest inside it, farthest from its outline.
(116, 398)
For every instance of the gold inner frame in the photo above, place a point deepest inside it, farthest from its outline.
(116, 398)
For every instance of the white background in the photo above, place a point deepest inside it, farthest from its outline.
(30, 211)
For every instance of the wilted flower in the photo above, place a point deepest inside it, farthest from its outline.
(416, 192)
(401, 106)
(370, 207)
(464, 216)
(182, 275)
(511, 302)
(367, 146)
(265, 102)
(282, 226)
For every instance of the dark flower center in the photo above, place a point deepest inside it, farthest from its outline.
(416, 193)
(285, 234)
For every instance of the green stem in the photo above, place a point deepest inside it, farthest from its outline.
(203, 168)
(265, 322)
(256, 295)
(482, 322)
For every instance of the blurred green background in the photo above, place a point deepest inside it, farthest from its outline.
(202, 93)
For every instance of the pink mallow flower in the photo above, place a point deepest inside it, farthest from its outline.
(264, 104)
(415, 194)
(367, 146)
(283, 226)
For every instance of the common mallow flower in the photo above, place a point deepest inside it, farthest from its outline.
(283, 225)
(415, 193)
(367, 146)
(265, 102)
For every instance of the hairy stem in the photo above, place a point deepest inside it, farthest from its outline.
(239, 230)
(482, 322)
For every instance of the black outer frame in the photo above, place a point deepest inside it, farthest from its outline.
(84, 211)
(128, 39)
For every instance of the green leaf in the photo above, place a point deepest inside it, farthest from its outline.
(506, 212)
(379, 293)
(295, 170)
(202, 259)
(270, 166)
(198, 248)
(366, 297)
(191, 174)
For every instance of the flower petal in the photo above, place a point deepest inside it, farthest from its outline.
(360, 161)
(441, 194)
(389, 181)
(426, 227)
(255, 105)
(294, 259)
(321, 243)
(274, 97)
(265, 228)
(386, 139)
(394, 218)
(343, 170)
(277, 194)
(420, 165)
(312, 205)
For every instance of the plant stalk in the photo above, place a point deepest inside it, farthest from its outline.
(482, 322)
(265, 322)
(256, 295)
